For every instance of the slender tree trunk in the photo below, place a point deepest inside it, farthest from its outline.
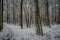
(38, 20)
(58, 16)
(47, 14)
(21, 14)
(1, 15)
(13, 13)
(26, 20)
(26, 17)
(7, 13)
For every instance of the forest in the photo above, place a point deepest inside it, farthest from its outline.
(29, 19)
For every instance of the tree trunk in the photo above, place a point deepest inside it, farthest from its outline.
(47, 14)
(38, 20)
(26, 16)
(14, 19)
(21, 14)
(1, 15)
(7, 13)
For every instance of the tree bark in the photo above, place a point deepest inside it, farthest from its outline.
(21, 14)
(1, 15)
(38, 20)
(26, 16)
(47, 14)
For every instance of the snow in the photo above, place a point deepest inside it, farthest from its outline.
(47, 29)
(13, 32)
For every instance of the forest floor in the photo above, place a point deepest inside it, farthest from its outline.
(13, 32)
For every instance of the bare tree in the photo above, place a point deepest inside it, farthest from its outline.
(7, 13)
(58, 14)
(26, 16)
(47, 14)
(21, 14)
(1, 15)
(38, 19)
(14, 13)
(27, 13)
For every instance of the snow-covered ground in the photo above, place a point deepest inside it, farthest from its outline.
(13, 32)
